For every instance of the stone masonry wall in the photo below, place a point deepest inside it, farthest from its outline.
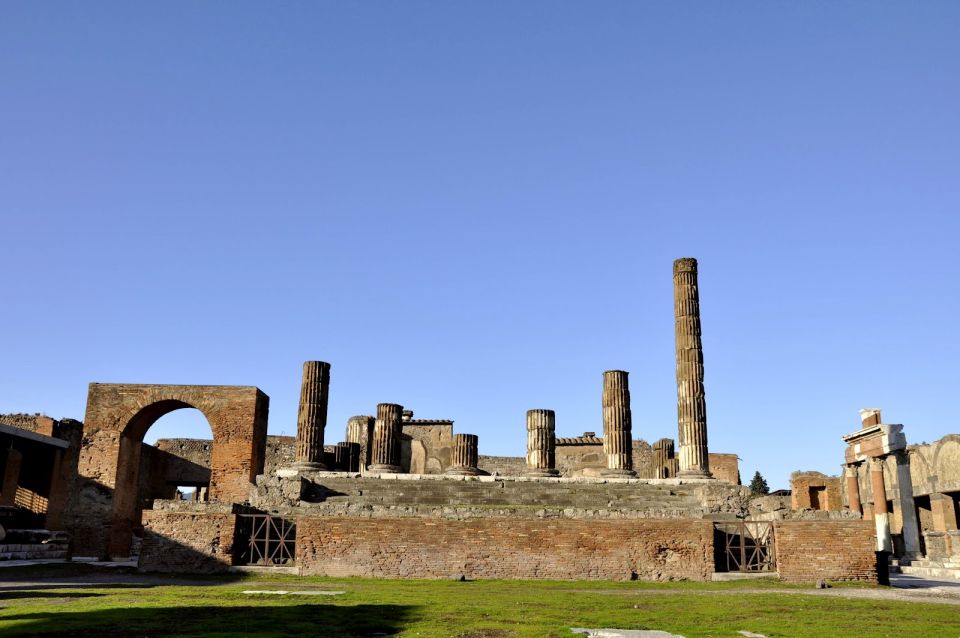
(831, 550)
(194, 542)
(507, 548)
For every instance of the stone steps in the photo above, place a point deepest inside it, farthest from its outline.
(454, 493)
(935, 573)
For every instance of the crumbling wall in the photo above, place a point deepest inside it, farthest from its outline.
(808, 551)
(199, 541)
(725, 467)
(815, 490)
(426, 447)
(503, 465)
(583, 456)
(509, 548)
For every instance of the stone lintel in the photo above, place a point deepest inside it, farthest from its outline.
(873, 442)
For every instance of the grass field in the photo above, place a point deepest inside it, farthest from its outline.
(444, 609)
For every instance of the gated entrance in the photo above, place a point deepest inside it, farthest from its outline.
(744, 546)
(265, 540)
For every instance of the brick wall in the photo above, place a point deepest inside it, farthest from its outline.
(725, 467)
(187, 542)
(814, 490)
(651, 549)
(832, 550)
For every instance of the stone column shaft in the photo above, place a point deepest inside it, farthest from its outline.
(360, 431)
(541, 443)
(943, 512)
(346, 457)
(691, 400)
(385, 456)
(907, 510)
(663, 458)
(465, 455)
(881, 513)
(312, 417)
(617, 424)
(853, 489)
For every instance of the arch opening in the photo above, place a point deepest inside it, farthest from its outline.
(147, 472)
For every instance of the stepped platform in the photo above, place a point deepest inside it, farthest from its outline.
(324, 493)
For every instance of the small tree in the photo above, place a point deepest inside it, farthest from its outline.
(758, 486)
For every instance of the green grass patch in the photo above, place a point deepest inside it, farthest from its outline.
(446, 609)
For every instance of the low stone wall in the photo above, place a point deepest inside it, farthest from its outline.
(199, 541)
(506, 548)
(808, 551)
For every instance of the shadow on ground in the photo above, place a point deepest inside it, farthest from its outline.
(333, 621)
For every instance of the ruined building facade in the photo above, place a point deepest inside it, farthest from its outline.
(399, 497)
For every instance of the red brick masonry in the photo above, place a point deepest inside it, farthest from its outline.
(832, 550)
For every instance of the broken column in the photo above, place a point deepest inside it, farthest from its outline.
(385, 456)
(663, 459)
(346, 457)
(541, 443)
(312, 417)
(617, 424)
(691, 401)
(465, 455)
(360, 431)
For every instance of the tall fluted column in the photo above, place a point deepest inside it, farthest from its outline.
(617, 424)
(541, 443)
(691, 402)
(312, 418)
(465, 455)
(386, 439)
(360, 431)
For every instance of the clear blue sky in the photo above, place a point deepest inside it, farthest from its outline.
(472, 209)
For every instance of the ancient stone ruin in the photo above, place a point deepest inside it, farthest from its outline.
(405, 497)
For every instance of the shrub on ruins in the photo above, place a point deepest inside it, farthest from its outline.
(758, 486)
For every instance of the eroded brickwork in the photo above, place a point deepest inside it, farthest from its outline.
(506, 548)
(117, 418)
(187, 542)
(808, 551)
(816, 491)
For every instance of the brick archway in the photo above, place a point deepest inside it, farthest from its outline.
(117, 418)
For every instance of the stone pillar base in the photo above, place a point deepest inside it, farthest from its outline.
(618, 473)
(542, 473)
(309, 466)
(462, 471)
(379, 468)
(699, 474)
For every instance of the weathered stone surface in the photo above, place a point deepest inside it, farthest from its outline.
(360, 431)
(617, 424)
(506, 548)
(386, 439)
(691, 401)
(464, 455)
(312, 415)
(541, 443)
